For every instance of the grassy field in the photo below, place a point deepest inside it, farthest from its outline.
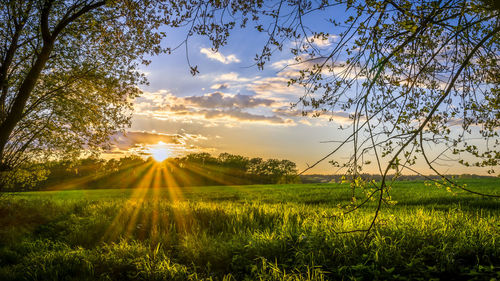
(268, 232)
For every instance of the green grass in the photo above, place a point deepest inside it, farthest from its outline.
(268, 232)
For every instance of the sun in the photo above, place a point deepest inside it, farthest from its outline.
(160, 151)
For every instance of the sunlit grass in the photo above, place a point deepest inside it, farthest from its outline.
(270, 232)
(153, 177)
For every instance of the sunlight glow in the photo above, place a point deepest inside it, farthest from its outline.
(160, 151)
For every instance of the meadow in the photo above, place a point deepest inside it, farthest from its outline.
(256, 232)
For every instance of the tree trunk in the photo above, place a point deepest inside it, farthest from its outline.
(16, 112)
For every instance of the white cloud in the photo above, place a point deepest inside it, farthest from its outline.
(323, 42)
(338, 117)
(276, 88)
(290, 67)
(231, 77)
(218, 56)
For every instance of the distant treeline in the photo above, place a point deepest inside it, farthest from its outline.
(318, 178)
(191, 170)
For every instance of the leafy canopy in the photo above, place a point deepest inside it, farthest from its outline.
(69, 69)
(420, 80)
(415, 75)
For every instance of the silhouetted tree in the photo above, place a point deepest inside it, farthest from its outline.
(69, 68)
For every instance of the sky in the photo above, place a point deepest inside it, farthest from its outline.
(232, 106)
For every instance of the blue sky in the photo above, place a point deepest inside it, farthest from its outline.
(231, 106)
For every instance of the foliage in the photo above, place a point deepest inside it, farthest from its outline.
(419, 78)
(24, 177)
(69, 70)
(191, 170)
(64, 88)
(269, 232)
(415, 75)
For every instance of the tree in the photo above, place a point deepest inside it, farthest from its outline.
(414, 76)
(408, 72)
(278, 171)
(236, 162)
(68, 70)
(68, 73)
